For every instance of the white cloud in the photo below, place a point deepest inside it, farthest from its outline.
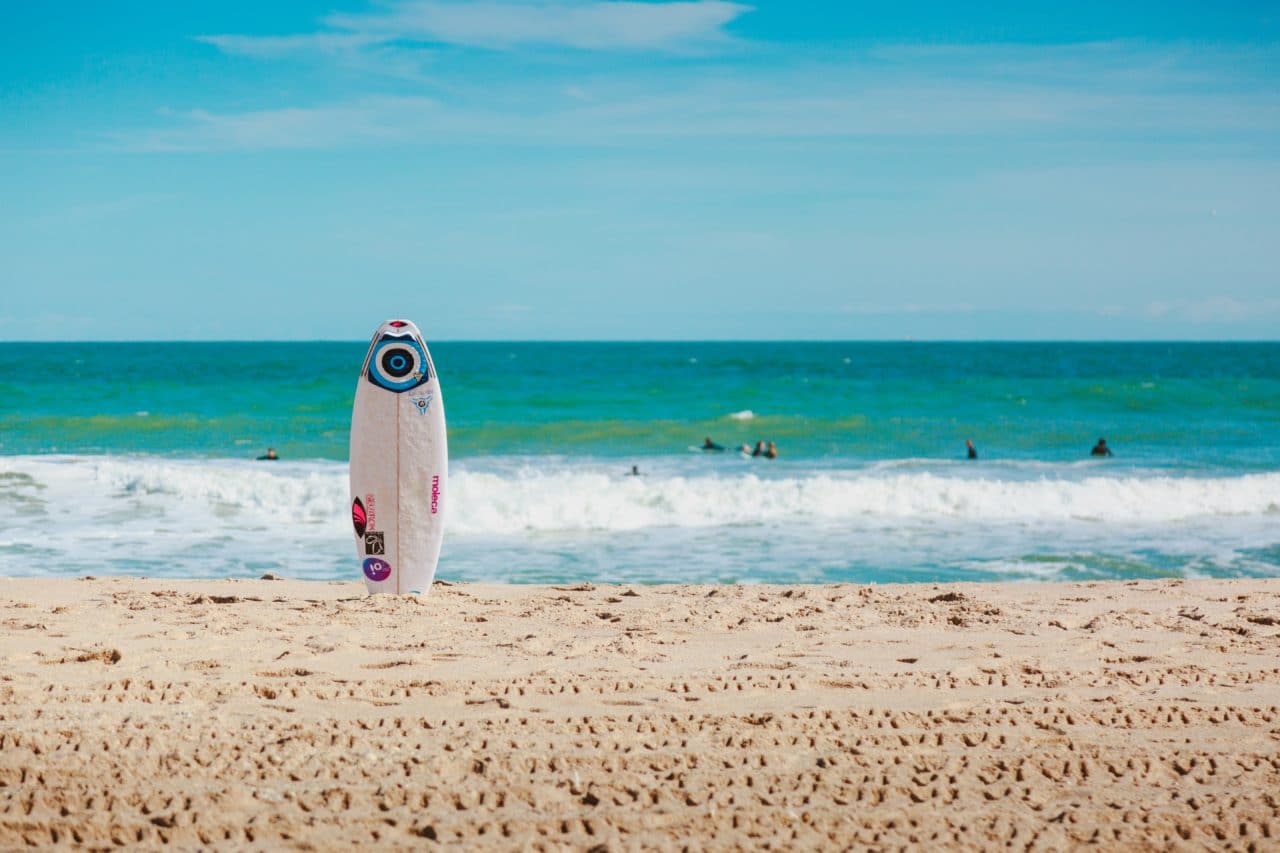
(90, 211)
(277, 47)
(598, 25)
(1218, 309)
(1075, 92)
(378, 119)
(872, 310)
(812, 102)
(583, 25)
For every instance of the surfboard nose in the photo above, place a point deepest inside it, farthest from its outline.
(399, 327)
(397, 360)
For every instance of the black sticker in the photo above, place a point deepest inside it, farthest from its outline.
(375, 544)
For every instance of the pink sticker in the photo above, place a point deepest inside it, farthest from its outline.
(358, 517)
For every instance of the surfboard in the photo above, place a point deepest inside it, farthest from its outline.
(399, 462)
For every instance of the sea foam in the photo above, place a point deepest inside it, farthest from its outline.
(550, 519)
(567, 497)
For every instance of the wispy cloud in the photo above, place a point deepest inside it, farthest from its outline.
(90, 211)
(872, 310)
(1218, 309)
(596, 25)
(361, 52)
(1074, 91)
(363, 121)
(277, 47)
(583, 25)
(813, 102)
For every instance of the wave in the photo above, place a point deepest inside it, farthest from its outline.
(92, 491)
(581, 501)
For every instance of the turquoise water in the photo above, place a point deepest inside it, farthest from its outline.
(140, 455)
(1207, 405)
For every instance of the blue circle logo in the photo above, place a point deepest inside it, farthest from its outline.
(398, 364)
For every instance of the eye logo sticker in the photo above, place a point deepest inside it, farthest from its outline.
(359, 519)
(375, 543)
(398, 363)
(377, 569)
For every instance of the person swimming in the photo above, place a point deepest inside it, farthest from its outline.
(771, 452)
(1101, 449)
(270, 455)
(973, 451)
(708, 444)
(759, 451)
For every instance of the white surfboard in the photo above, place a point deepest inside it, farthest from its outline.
(399, 462)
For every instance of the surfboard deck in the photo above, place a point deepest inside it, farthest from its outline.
(399, 462)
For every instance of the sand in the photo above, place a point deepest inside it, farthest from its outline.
(270, 714)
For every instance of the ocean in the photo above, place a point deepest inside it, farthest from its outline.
(139, 459)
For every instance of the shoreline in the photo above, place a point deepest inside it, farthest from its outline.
(307, 714)
(688, 519)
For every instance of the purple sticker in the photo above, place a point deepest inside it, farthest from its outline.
(376, 569)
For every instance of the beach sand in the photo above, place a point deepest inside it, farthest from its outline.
(272, 714)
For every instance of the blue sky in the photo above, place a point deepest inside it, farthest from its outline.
(531, 169)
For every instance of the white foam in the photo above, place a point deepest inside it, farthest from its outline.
(82, 511)
(582, 497)
(744, 415)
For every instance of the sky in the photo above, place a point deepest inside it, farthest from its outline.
(575, 169)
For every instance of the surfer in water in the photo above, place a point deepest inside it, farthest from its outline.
(771, 452)
(973, 451)
(708, 444)
(269, 456)
(1101, 449)
(759, 451)
(635, 471)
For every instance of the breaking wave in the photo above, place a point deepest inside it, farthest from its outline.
(583, 501)
(553, 518)
(578, 498)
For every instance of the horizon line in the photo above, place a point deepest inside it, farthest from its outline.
(660, 341)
